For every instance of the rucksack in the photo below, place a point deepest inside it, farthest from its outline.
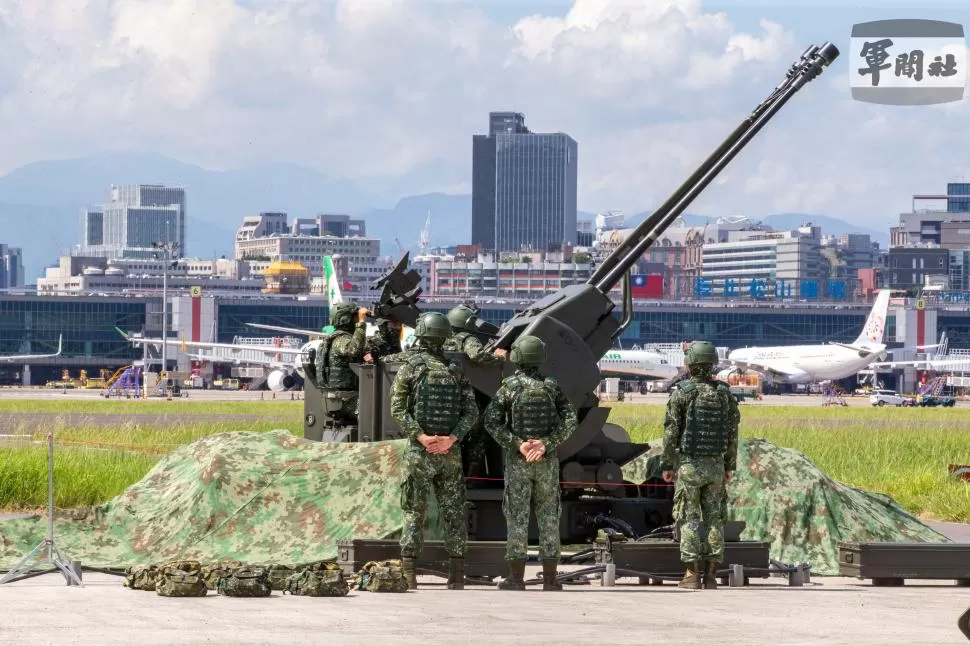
(382, 576)
(173, 582)
(705, 422)
(212, 572)
(318, 583)
(534, 412)
(436, 400)
(278, 575)
(141, 577)
(246, 581)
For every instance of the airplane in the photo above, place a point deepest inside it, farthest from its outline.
(801, 364)
(284, 362)
(28, 357)
(637, 363)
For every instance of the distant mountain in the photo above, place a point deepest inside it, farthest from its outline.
(49, 196)
(829, 225)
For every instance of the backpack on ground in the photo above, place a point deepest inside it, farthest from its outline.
(246, 581)
(382, 576)
(141, 577)
(212, 572)
(175, 582)
(279, 574)
(318, 583)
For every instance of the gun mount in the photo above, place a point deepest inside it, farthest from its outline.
(578, 326)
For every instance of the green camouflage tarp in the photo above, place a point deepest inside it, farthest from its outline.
(272, 497)
(786, 501)
(256, 497)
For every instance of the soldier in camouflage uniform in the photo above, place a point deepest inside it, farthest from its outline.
(346, 346)
(385, 342)
(700, 450)
(464, 341)
(435, 405)
(530, 417)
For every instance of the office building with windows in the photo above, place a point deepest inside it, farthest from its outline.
(11, 267)
(133, 220)
(524, 187)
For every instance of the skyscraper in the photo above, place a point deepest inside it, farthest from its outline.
(134, 218)
(524, 187)
(11, 267)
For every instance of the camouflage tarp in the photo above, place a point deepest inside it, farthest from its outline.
(272, 497)
(256, 497)
(785, 500)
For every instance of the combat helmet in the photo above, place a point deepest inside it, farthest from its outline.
(342, 315)
(461, 316)
(528, 351)
(701, 352)
(433, 326)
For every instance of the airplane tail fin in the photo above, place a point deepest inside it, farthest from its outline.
(332, 285)
(872, 331)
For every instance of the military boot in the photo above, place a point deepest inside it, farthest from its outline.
(710, 576)
(516, 579)
(407, 566)
(549, 575)
(692, 578)
(456, 574)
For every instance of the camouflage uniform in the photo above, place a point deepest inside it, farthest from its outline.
(551, 418)
(338, 381)
(465, 342)
(385, 341)
(701, 448)
(426, 471)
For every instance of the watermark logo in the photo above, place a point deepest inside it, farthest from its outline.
(908, 62)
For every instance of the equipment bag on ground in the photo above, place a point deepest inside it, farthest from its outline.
(246, 581)
(382, 576)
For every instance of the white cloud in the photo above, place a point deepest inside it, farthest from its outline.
(387, 90)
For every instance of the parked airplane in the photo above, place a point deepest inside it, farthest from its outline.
(800, 364)
(637, 363)
(28, 357)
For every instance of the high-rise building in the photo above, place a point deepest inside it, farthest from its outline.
(11, 267)
(134, 218)
(524, 187)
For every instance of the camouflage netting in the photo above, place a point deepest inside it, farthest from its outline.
(786, 501)
(256, 497)
(272, 497)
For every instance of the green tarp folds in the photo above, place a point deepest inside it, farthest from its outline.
(276, 498)
(786, 501)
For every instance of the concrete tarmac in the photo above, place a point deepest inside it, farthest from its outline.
(43, 610)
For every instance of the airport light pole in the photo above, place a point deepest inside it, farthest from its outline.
(167, 248)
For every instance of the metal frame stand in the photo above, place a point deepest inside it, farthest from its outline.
(54, 555)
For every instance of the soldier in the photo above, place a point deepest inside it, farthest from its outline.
(386, 341)
(530, 417)
(700, 451)
(342, 347)
(435, 405)
(463, 340)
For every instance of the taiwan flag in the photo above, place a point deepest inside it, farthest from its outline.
(647, 285)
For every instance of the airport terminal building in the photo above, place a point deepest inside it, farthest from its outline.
(89, 324)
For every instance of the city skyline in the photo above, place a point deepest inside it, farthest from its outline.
(649, 91)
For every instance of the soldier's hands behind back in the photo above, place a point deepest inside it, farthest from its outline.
(668, 476)
(429, 442)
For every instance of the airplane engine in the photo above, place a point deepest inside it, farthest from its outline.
(280, 380)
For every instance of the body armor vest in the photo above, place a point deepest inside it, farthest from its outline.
(534, 413)
(456, 342)
(436, 403)
(333, 368)
(704, 424)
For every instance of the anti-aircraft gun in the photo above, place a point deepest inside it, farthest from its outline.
(578, 326)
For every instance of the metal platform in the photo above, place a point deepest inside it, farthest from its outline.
(890, 564)
(654, 561)
(483, 559)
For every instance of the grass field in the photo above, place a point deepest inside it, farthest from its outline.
(900, 452)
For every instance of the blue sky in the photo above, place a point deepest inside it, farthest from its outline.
(387, 95)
